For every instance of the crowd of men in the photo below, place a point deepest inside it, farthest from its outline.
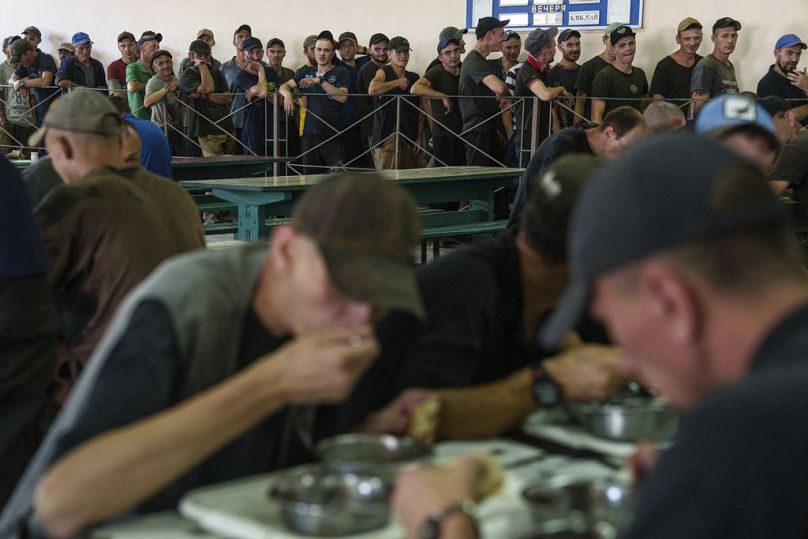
(140, 365)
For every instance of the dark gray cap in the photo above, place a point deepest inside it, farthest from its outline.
(80, 111)
(486, 24)
(454, 33)
(18, 48)
(538, 38)
(649, 199)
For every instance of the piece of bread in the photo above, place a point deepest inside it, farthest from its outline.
(490, 479)
(424, 421)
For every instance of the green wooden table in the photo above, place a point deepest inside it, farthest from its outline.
(259, 198)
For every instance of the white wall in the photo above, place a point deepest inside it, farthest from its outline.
(418, 20)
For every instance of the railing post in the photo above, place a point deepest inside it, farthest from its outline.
(398, 125)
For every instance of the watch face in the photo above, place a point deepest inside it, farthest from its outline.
(546, 392)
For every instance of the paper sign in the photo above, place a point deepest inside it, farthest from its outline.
(584, 18)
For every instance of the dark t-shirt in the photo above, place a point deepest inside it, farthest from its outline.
(320, 106)
(671, 80)
(213, 113)
(571, 139)
(774, 84)
(257, 126)
(714, 76)
(631, 89)
(523, 111)
(44, 62)
(586, 75)
(480, 106)
(384, 122)
(566, 78)
(366, 103)
(443, 81)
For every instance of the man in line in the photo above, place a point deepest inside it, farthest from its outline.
(780, 80)
(621, 83)
(230, 69)
(397, 149)
(257, 83)
(162, 98)
(619, 129)
(65, 51)
(450, 32)
(352, 137)
(590, 68)
(377, 51)
(231, 372)
(81, 70)
(17, 115)
(138, 73)
(565, 73)
(714, 74)
(35, 70)
(210, 101)
(116, 71)
(439, 83)
(725, 347)
(325, 87)
(511, 48)
(206, 35)
(671, 78)
(276, 52)
(663, 117)
(482, 121)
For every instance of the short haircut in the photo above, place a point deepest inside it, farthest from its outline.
(663, 117)
(622, 120)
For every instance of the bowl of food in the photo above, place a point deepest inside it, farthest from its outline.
(316, 500)
(627, 419)
(380, 455)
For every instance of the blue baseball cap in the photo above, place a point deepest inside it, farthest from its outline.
(790, 40)
(729, 112)
(80, 38)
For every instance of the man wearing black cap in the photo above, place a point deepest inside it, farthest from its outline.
(440, 83)
(257, 83)
(35, 70)
(565, 72)
(230, 69)
(450, 32)
(479, 87)
(590, 68)
(784, 79)
(621, 83)
(671, 78)
(397, 148)
(276, 52)
(210, 101)
(697, 278)
(377, 51)
(17, 119)
(138, 73)
(116, 71)
(352, 137)
(714, 74)
(206, 35)
(231, 373)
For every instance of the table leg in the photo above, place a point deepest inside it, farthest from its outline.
(252, 222)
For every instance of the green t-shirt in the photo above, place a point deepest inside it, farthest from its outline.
(137, 72)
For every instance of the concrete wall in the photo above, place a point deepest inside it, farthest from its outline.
(418, 20)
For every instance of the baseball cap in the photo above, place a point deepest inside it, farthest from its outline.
(538, 38)
(65, 46)
(620, 32)
(242, 28)
(251, 43)
(612, 27)
(377, 38)
(552, 198)
(729, 112)
(80, 38)
(11, 39)
(32, 30)
(445, 40)
(158, 54)
(510, 34)
(568, 33)
(454, 33)
(347, 35)
(126, 35)
(19, 47)
(723, 22)
(148, 35)
(309, 42)
(199, 47)
(205, 32)
(650, 199)
(81, 111)
(688, 23)
(365, 227)
(399, 44)
(486, 24)
(275, 41)
(790, 40)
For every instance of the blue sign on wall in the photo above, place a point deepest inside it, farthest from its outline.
(580, 14)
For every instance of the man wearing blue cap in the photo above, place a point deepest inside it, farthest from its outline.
(81, 70)
(699, 281)
(784, 80)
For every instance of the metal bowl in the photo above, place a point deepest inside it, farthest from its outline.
(380, 455)
(315, 500)
(630, 419)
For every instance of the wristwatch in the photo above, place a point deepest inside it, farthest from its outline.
(430, 529)
(546, 391)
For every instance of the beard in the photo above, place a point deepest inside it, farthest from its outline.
(786, 67)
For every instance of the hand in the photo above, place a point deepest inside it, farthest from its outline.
(308, 81)
(171, 87)
(586, 372)
(505, 104)
(643, 461)
(322, 366)
(403, 83)
(799, 79)
(447, 105)
(289, 106)
(395, 418)
(18, 84)
(423, 491)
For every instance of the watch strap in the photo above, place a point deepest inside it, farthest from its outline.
(431, 527)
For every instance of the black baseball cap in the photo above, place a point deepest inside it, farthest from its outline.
(620, 32)
(723, 22)
(148, 35)
(242, 28)
(32, 30)
(126, 35)
(199, 47)
(18, 48)
(377, 38)
(251, 43)
(158, 54)
(650, 199)
(276, 41)
(399, 44)
(445, 40)
(486, 24)
(568, 33)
